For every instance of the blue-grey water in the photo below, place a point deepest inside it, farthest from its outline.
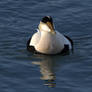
(21, 71)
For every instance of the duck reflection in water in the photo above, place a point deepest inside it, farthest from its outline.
(47, 69)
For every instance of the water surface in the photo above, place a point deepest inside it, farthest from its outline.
(21, 71)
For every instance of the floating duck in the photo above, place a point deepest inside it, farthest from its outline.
(47, 40)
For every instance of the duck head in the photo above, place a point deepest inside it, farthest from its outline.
(46, 24)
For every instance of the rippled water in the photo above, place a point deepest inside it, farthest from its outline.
(21, 71)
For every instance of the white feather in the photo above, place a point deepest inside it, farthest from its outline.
(35, 38)
(48, 43)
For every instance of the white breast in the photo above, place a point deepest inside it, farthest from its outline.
(47, 43)
(50, 43)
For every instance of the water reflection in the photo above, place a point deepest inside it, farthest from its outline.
(47, 66)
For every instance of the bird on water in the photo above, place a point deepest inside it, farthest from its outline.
(47, 40)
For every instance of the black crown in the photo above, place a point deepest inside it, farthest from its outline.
(47, 19)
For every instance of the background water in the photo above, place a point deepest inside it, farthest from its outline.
(21, 71)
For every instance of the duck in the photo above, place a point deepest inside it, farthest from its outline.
(47, 40)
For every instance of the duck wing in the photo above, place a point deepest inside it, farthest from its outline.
(31, 43)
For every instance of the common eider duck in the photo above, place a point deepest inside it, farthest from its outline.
(47, 40)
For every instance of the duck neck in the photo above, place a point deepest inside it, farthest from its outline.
(46, 37)
(46, 34)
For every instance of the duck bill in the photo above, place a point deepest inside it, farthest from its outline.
(51, 26)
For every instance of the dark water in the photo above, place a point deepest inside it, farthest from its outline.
(21, 71)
